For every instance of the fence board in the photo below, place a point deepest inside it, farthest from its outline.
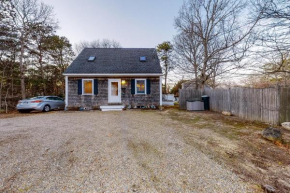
(188, 94)
(284, 115)
(270, 105)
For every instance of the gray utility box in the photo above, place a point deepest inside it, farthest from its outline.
(195, 105)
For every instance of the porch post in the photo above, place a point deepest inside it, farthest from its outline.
(160, 87)
(66, 92)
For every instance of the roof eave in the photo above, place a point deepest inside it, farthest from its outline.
(114, 75)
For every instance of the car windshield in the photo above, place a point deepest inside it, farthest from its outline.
(35, 98)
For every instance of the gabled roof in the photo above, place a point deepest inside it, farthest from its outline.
(116, 61)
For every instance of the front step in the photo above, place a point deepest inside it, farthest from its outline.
(112, 108)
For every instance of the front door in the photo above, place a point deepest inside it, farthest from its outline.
(114, 88)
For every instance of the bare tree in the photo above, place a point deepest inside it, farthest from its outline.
(188, 54)
(272, 52)
(278, 10)
(212, 37)
(105, 43)
(28, 14)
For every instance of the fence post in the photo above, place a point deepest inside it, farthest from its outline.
(230, 100)
(278, 89)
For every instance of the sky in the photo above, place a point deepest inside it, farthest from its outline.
(132, 23)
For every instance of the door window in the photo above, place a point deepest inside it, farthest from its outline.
(114, 89)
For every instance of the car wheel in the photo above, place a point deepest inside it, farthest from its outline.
(46, 108)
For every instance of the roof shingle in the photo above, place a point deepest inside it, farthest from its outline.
(115, 61)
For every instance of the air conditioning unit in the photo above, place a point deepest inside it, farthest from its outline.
(195, 105)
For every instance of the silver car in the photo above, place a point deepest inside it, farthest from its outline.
(40, 103)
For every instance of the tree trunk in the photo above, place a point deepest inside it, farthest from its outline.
(23, 94)
(1, 86)
(195, 74)
(165, 83)
(1, 94)
(213, 80)
(166, 73)
(42, 74)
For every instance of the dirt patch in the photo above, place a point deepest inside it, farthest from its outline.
(14, 114)
(128, 151)
(146, 155)
(238, 144)
(8, 139)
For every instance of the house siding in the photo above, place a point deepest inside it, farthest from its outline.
(95, 101)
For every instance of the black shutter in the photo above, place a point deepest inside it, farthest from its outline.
(132, 86)
(80, 87)
(96, 86)
(148, 87)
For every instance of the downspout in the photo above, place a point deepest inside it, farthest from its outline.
(66, 92)
(160, 88)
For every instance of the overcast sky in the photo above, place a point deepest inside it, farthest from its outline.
(133, 23)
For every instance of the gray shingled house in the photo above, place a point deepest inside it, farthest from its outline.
(114, 78)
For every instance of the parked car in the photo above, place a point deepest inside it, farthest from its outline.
(40, 103)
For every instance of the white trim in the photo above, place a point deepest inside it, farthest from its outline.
(145, 83)
(114, 75)
(66, 91)
(160, 87)
(84, 89)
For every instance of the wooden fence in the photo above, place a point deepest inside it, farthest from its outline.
(270, 105)
(185, 95)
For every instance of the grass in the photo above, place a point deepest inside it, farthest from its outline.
(199, 120)
(144, 148)
(175, 115)
(146, 155)
(234, 142)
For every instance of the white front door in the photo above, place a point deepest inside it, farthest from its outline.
(114, 89)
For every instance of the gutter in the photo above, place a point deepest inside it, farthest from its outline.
(114, 75)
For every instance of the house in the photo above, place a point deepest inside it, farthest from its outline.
(191, 84)
(114, 78)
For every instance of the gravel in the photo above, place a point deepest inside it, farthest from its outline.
(128, 151)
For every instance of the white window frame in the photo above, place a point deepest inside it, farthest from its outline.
(83, 87)
(145, 82)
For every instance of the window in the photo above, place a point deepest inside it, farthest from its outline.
(142, 58)
(91, 58)
(59, 99)
(88, 86)
(35, 98)
(140, 86)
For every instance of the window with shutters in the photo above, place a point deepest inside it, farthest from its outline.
(88, 86)
(140, 86)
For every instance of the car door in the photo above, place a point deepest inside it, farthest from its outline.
(51, 102)
(60, 103)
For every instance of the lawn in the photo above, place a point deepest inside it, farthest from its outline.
(238, 144)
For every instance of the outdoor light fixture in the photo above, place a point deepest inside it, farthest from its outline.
(123, 82)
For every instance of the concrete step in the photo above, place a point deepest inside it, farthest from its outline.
(112, 108)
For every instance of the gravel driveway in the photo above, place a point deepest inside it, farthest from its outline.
(129, 151)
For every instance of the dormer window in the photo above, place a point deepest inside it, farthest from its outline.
(143, 59)
(91, 58)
